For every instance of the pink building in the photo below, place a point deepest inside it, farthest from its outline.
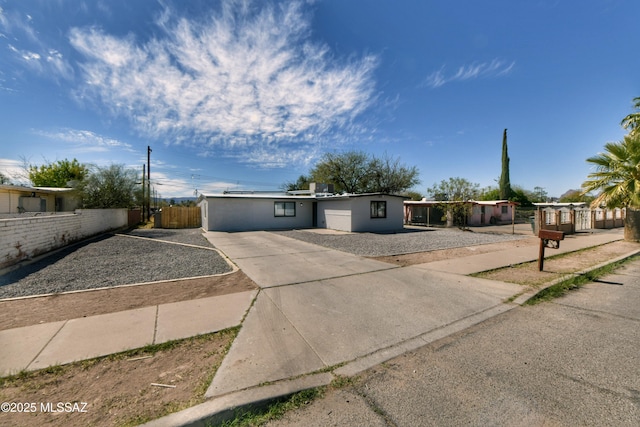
(432, 212)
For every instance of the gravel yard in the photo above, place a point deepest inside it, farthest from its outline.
(405, 242)
(112, 260)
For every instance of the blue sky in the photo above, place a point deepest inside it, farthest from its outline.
(249, 94)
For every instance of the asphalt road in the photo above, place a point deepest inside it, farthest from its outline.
(574, 361)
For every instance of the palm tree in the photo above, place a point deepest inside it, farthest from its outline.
(632, 121)
(617, 178)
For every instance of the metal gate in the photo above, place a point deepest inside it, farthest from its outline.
(582, 219)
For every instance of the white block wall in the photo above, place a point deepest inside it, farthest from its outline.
(24, 238)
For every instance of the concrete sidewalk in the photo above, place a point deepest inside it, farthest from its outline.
(492, 260)
(48, 344)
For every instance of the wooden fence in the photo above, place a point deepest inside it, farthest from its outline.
(180, 217)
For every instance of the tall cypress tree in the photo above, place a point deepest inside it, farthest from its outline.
(505, 184)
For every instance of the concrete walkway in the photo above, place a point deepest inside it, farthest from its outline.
(48, 344)
(492, 260)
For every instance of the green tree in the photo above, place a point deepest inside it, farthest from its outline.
(617, 179)
(4, 179)
(539, 195)
(489, 193)
(389, 176)
(518, 194)
(58, 174)
(455, 189)
(455, 195)
(632, 121)
(109, 187)
(413, 195)
(302, 183)
(505, 183)
(521, 196)
(347, 171)
(358, 172)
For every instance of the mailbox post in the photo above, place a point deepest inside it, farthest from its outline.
(548, 239)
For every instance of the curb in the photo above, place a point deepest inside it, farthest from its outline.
(226, 407)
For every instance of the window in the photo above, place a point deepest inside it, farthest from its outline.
(378, 209)
(284, 209)
(505, 210)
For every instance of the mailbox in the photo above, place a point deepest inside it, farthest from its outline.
(548, 238)
(551, 235)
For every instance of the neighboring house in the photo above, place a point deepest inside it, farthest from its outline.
(243, 211)
(16, 199)
(572, 217)
(432, 212)
(493, 212)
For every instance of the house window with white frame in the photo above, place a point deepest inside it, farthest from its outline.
(378, 209)
(284, 209)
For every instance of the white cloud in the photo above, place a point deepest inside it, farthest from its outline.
(86, 141)
(245, 80)
(14, 170)
(14, 22)
(495, 68)
(45, 61)
(59, 65)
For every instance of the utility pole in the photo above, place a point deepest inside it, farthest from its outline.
(148, 182)
(144, 171)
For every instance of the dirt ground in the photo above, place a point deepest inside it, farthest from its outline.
(121, 390)
(555, 267)
(526, 274)
(118, 389)
(31, 311)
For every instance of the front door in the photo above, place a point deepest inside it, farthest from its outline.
(314, 213)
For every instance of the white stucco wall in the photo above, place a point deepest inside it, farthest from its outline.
(240, 214)
(361, 214)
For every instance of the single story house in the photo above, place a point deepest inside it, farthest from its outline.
(244, 211)
(432, 212)
(15, 199)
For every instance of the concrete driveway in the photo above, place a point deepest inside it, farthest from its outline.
(570, 362)
(321, 307)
